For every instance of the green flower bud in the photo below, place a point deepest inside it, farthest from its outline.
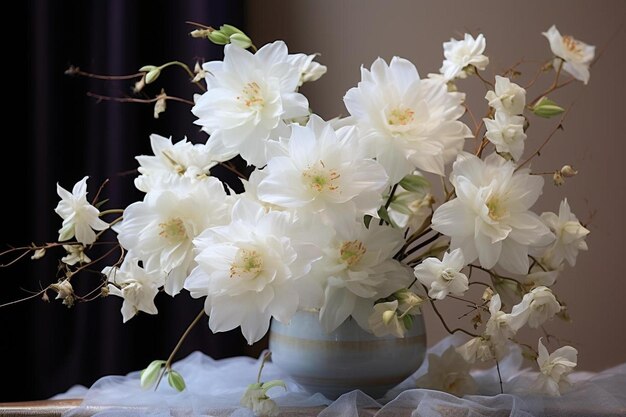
(176, 381)
(547, 108)
(230, 30)
(152, 75)
(218, 38)
(415, 183)
(151, 373)
(240, 40)
(148, 68)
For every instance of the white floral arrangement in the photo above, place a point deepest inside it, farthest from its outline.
(343, 216)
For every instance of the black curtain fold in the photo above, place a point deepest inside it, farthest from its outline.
(46, 347)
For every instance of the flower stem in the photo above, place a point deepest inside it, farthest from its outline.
(168, 363)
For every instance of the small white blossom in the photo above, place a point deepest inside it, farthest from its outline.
(576, 55)
(135, 285)
(384, 320)
(502, 326)
(555, 367)
(477, 348)
(75, 254)
(410, 208)
(508, 97)
(180, 160)
(537, 306)
(309, 69)
(256, 399)
(506, 133)
(80, 218)
(443, 277)
(460, 54)
(450, 373)
(570, 236)
(65, 292)
(490, 217)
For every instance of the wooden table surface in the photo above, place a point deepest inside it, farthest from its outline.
(56, 408)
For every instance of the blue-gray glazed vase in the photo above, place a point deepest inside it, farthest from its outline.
(347, 359)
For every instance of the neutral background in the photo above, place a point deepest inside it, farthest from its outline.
(352, 33)
(46, 348)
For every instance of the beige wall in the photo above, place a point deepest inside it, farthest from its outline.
(351, 33)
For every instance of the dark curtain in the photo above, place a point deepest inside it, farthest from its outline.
(45, 347)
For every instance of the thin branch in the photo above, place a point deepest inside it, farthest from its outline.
(545, 142)
(445, 325)
(72, 70)
(168, 363)
(100, 97)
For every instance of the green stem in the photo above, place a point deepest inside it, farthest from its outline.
(168, 363)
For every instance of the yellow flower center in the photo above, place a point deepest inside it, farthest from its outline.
(173, 230)
(496, 208)
(572, 45)
(251, 96)
(320, 179)
(247, 264)
(352, 251)
(448, 274)
(400, 117)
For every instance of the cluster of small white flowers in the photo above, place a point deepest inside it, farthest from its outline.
(331, 206)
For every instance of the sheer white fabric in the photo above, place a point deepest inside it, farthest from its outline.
(214, 388)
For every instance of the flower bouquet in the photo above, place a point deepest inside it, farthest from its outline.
(405, 203)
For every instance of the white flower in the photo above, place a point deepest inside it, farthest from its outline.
(182, 160)
(384, 320)
(448, 372)
(65, 292)
(360, 268)
(490, 218)
(576, 55)
(248, 96)
(135, 285)
(460, 54)
(309, 69)
(160, 229)
(508, 97)
(248, 270)
(323, 170)
(79, 217)
(443, 277)
(406, 122)
(570, 236)
(477, 348)
(506, 133)
(410, 208)
(256, 399)
(75, 254)
(554, 368)
(502, 326)
(537, 306)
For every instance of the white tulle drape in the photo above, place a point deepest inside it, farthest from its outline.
(214, 388)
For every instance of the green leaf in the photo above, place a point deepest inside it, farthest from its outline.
(414, 183)
(151, 373)
(408, 321)
(383, 214)
(176, 380)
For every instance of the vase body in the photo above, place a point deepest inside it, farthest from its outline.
(349, 358)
